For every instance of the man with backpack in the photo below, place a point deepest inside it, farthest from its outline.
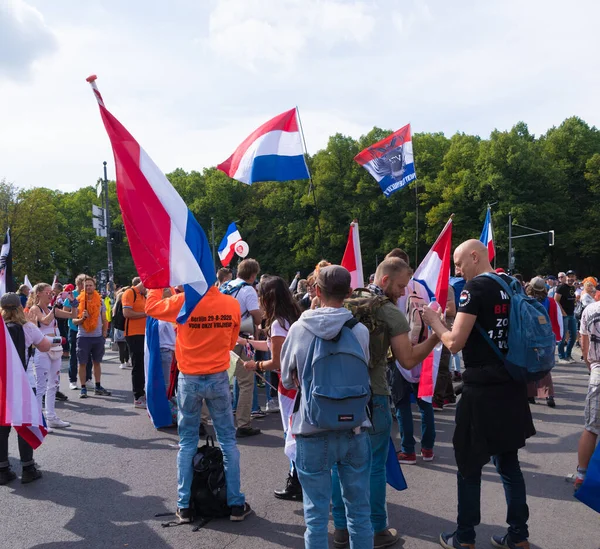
(202, 350)
(326, 355)
(493, 418)
(388, 329)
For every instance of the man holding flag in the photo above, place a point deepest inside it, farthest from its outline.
(391, 331)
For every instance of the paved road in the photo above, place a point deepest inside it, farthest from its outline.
(108, 475)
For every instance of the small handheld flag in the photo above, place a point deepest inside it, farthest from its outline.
(352, 260)
(487, 235)
(390, 161)
(7, 283)
(273, 152)
(168, 246)
(27, 282)
(227, 246)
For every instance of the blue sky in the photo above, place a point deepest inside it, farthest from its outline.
(191, 79)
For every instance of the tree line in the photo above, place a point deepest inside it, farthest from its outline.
(550, 182)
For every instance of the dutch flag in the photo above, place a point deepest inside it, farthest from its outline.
(168, 246)
(227, 246)
(273, 152)
(487, 235)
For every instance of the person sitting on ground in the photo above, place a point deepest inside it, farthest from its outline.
(202, 350)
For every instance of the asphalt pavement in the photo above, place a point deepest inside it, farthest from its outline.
(109, 474)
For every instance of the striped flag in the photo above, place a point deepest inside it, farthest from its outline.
(352, 260)
(434, 275)
(157, 402)
(168, 246)
(487, 234)
(227, 246)
(18, 404)
(273, 152)
(7, 283)
(286, 398)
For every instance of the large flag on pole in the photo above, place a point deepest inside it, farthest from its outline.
(487, 234)
(273, 152)
(434, 275)
(227, 246)
(390, 161)
(18, 405)
(352, 260)
(7, 283)
(168, 246)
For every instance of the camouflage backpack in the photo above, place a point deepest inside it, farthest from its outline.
(364, 306)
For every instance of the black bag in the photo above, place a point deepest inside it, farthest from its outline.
(209, 486)
(118, 319)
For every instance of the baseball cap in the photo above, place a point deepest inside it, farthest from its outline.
(69, 288)
(537, 284)
(571, 272)
(334, 280)
(550, 277)
(10, 301)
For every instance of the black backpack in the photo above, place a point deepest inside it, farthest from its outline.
(118, 320)
(209, 486)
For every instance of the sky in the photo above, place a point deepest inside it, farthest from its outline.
(190, 79)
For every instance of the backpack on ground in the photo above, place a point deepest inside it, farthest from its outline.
(118, 320)
(208, 498)
(364, 306)
(335, 386)
(531, 342)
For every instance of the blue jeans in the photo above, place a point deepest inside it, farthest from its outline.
(191, 391)
(469, 494)
(570, 325)
(380, 443)
(405, 422)
(316, 455)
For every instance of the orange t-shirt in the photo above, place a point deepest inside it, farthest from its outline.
(134, 326)
(211, 331)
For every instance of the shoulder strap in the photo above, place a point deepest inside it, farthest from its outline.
(500, 281)
(489, 341)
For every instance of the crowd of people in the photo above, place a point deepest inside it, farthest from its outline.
(285, 336)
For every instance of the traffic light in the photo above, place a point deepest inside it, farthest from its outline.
(550, 238)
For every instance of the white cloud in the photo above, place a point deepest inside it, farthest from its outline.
(249, 32)
(24, 37)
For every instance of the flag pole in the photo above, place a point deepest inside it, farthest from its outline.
(311, 186)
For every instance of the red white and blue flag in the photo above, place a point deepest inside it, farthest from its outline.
(227, 246)
(273, 152)
(433, 275)
(352, 260)
(390, 161)
(487, 235)
(18, 405)
(286, 398)
(168, 246)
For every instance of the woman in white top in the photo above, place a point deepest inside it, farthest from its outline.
(281, 310)
(14, 317)
(47, 364)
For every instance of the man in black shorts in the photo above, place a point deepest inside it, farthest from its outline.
(493, 419)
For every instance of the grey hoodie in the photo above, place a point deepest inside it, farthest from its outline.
(325, 322)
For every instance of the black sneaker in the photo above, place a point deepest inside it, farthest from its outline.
(243, 432)
(184, 515)
(6, 476)
(61, 396)
(240, 512)
(504, 542)
(30, 474)
(550, 402)
(448, 540)
(292, 490)
(101, 391)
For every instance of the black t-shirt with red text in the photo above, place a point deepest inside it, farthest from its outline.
(484, 297)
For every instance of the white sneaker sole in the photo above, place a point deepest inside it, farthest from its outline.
(427, 459)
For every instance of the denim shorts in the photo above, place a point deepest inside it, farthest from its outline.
(592, 403)
(87, 346)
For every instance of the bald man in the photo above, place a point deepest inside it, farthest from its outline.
(493, 419)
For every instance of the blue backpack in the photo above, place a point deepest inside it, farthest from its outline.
(230, 289)
(335, 383)
(531, 342)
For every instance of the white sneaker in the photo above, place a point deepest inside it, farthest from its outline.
(272, 407)
(140, 403)
(123, 366)
(72, 385)
(128, 364)
(58, 423)
(49, 429)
